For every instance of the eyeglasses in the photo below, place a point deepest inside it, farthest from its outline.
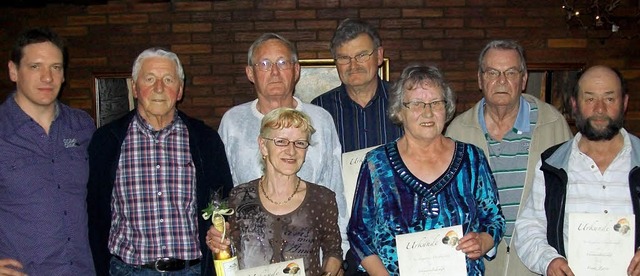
(266, 65)
(344, 60)
(493, 74)
(281, 142)
(416, 106)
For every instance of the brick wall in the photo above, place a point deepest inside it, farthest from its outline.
(212, 38)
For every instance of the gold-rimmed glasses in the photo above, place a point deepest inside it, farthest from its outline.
(360, 58)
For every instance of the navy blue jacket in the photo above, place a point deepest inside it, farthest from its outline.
(212, 174)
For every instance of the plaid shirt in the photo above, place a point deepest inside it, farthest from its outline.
(154, 202)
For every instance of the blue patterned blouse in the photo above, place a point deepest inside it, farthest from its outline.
(390, 201)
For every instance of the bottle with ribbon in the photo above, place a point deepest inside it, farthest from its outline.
(225, 262)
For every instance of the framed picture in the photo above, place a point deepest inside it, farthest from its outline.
(553, 83)
(112, 96)
(320, 75)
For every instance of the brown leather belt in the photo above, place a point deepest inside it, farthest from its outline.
(167, 264)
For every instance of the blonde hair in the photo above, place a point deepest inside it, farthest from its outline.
(285, 117)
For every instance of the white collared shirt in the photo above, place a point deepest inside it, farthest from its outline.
(588, 191)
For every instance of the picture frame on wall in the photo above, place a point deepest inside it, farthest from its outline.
(320, 75)
(553, 83)
(112, 96)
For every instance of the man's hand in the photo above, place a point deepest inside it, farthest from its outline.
(634, 266)
(10, 267)
(214, 239)
(559, 267)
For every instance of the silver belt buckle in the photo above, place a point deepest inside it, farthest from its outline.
(162, 259)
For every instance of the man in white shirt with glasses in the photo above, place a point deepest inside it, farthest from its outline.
(273, 68)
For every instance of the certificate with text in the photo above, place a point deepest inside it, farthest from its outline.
(292, 267)
(431, 252)
(351, 162)
(600, 244)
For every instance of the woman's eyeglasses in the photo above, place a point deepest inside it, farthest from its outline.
(281, 142)
(420, 106)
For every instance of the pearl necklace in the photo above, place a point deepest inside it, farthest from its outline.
(279, 202)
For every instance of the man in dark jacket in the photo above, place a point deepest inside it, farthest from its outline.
(596, 172)
(152, 172)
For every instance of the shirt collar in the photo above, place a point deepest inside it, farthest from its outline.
(257, 114)
(345, 95)
(18, 115)
(523, 120)
(626, 146)
(147, 128)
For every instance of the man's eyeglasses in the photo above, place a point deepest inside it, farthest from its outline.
(416, 106)
(510, 74)
(344, 60)
(266, 65)
(281, 142)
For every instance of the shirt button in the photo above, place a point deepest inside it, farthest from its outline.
(157, 166)
(161, 220)
(68, 239)
(65, 212)
(604, 187)
(606, 211)
(592, 166)
(159, 193)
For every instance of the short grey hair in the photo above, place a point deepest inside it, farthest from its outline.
(414, 76)
(268, 36)
(157, 52)
(502, 45)
(349, 29)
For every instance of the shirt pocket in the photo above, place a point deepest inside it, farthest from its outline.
(22, 177)
(72, 169)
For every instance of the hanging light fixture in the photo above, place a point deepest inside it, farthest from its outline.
(602, 19)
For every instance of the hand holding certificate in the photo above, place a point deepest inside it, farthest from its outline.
(431, 252)
(600, 244)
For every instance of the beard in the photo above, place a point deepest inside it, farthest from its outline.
(585, 126)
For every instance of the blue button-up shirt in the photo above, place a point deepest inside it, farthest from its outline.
(43, 180)
(360, 127)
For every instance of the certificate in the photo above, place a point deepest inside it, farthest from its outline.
(351, 162)
(600, 244)
(292, 267)
(432, 253)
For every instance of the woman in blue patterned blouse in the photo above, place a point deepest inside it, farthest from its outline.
(423, 181)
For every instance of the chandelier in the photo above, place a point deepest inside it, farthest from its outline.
(602, 19)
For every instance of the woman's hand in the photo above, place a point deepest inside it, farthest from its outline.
(634, 266)
(475, 245)
(10, 267)
(334, 266)
(214, 239)
(373, 265)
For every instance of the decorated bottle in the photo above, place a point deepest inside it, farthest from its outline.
(225, 262)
